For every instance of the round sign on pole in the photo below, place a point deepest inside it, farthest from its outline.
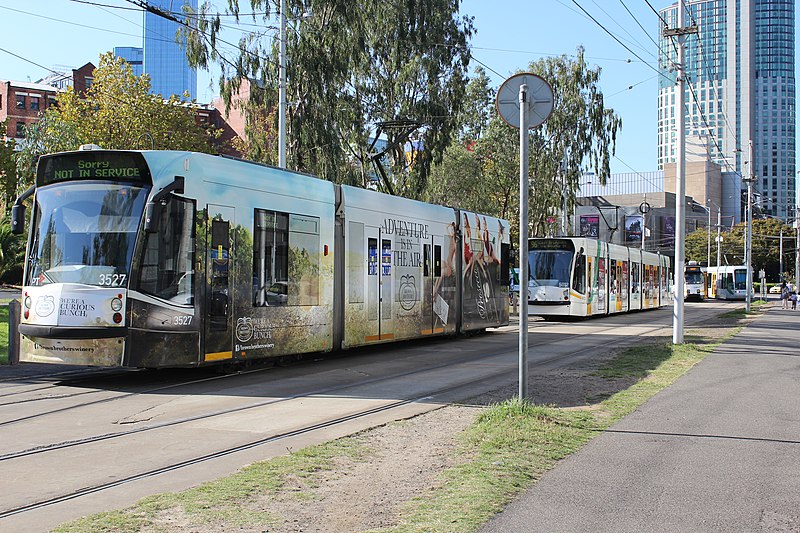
(539, 99)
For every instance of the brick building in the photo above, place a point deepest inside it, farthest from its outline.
(21, 102)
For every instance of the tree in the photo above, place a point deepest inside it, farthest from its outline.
(348, 71)
(8, 172)
(765, 246)
(579, 135)
(117, 112)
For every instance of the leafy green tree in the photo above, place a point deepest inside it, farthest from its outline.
(8, 172)
(579, 135)
(765, 246)
(117, 112)
(12, 254)
(350, 69)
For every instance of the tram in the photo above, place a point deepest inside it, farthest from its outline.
(581, 277)
(694, 277)
(153, 259)
(728, 282)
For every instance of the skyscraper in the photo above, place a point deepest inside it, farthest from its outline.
(740, 88)
(164, 58)
(134, 57)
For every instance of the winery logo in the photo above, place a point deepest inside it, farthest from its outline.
(408, 292)
(45, 305)
(244, 329)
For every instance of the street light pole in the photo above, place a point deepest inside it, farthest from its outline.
(282, 90)
(708, 229)
(749, 241)
(719, 235)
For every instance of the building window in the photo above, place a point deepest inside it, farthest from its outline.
(35, 103)
(1, 101)
(20, 101)
(20, 129)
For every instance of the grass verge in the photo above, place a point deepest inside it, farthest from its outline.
(755, 309)
(509, 446)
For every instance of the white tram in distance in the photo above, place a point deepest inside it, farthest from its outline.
(727, 282)
(694, 278)
(166, 259)
(582, 277)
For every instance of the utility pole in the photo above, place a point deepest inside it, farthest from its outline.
(708, 229)
(719, 235)
(797, 249)
(679, 34)
(282, 90)
(780, 254)
(748, 247)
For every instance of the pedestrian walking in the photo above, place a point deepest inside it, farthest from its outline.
(793, 299)
(784, 295)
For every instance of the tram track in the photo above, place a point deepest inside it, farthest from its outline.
(325, 424)
(245, 373)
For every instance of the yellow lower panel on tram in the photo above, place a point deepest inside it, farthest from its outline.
(218, 356)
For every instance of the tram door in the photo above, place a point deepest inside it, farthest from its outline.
(219, 277)
(437, 276)
(379, 285)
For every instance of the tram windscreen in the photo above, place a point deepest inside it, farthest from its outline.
(550, 267)
(84, 233)
(694, 276)
(740, 279)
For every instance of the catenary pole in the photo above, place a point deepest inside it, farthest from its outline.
(680, 34)
(282, 90)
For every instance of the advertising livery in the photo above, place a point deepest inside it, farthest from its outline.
(159, 258)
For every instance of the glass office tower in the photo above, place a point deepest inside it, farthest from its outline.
(134, 56)
(741, 87)
(164, 58)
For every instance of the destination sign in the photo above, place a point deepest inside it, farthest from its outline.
(94, 165)
(550, 244)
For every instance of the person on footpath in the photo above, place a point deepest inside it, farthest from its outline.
(793, 299)
(784, 295)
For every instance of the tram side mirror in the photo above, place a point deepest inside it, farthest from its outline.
(152, 213)
(152, 210)
(18, 219)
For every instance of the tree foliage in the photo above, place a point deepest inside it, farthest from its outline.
(766, 246)
(117, 112)
(8, 172)
(579, 135)
(348, 69)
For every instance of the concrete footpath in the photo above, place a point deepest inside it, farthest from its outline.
(719, 450)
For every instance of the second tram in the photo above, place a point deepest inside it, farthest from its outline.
(728, 282)
(581, 277)
(694, 277)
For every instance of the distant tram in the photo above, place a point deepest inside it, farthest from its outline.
(727, 282)
(162, 258)
(581, 277)
(694, 281)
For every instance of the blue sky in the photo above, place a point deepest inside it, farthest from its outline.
(510, 34)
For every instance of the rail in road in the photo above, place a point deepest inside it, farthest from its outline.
(114, 438)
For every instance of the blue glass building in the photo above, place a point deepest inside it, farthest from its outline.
(164, 58)
(740, 68)
(134, 56)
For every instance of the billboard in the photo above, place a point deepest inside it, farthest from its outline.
(668, 231)
(633, 228)
(590, 226)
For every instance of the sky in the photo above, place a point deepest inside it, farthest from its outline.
(42, 34)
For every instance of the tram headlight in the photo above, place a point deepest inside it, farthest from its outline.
(27, 302)
(566, 294)
(116, 304)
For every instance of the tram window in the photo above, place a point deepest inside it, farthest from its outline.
(167, 265)
(355, 264)
(579, 275)
(286, 252)
(426, 265)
